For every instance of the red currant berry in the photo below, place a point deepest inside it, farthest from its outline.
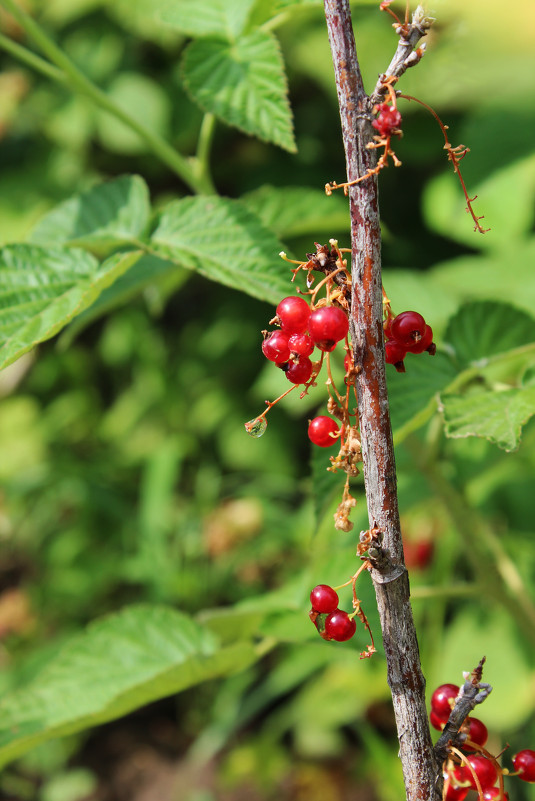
(418, 553)
(424, 343)
(436, 722)
(293, 314)
(493, 794)
(408, 328)
(440, 700)
(524, 762)
(323, 431)
(454, 793)
(300, 371)
(478, 731)
(324, 599)
(327, 326)
(339, 626)
(275, 347)
(301, 344)
(394, 352)
(484, 770)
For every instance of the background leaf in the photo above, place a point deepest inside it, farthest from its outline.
(225, 242)
(119, 663)
(244, 84)
(295, 210)
(99, 219)
(41, 290)
(223, 18)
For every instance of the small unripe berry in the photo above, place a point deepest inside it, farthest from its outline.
(408, 328)
(327, 326)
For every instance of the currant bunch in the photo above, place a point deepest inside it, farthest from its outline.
(459, 779)
(406, 333)
(331, 622)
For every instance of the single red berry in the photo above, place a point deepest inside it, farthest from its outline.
(440, 700)
(301, 344)
(293, 313)
(436, 721)
(408, 328)
(394, 352)
(339, 626)
(424, 343)
(324, 599)
(275, 347)
(299, 372)
(484, 770)
(323, 431)
(493, 794)
(478, 731)
(455, 793)
(524, 762)
(418, 553)
(327, 326)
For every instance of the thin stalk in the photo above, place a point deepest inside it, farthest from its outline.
(78, 81)
(420, 770)
(204, 147)
(31, 59)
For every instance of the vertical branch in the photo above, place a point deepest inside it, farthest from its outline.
(422, 775)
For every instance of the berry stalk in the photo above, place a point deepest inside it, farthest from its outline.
(423, 777)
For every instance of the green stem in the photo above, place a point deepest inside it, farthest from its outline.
(27, 57)
(71, 75)
(204, 145)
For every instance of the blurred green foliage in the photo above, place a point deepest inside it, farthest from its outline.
(126, 475)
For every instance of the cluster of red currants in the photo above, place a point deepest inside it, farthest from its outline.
(301, 330)
(331, 622)
(460, 779)
(407, 333)
(388, 121)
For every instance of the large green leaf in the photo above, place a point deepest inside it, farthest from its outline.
(496, 415)
(296, 210)
(100, 219)
(483, 329)
(42, 289)
(118, 664)
(243, 83)
(225, 19)
(224, 241)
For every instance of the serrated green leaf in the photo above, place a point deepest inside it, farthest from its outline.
(411, 393)
(482, 329)
(118, 664)
(100, 219)
(495, 415)
(41, 290)
(225, 19)
(295, 211)
(244, 84)
(225, 242)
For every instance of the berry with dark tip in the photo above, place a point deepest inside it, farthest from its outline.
(327, 326)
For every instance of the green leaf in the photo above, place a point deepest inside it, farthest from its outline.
(411, 394)
(118, 664)
(483, 329)
(225, 19)
(495, 415)
(295, 211)
(244, 84)
(225, 242)
(100, 219)
(42, 289)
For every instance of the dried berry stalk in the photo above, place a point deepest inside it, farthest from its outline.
(422, 774)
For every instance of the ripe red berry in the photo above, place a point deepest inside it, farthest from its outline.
(299, 372)
(436, 721)
(339, 626)
(324, 599)
(440, 700)
(275, 347)
(493, 794)
(524, 762)
(478, 731)
(321, 431)
(301, 344)
(455, 793)
(424, 343)
(418, 553)
(327, 326)
(293, 313)
(394, 352)
(408, 328)
(484, 770)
